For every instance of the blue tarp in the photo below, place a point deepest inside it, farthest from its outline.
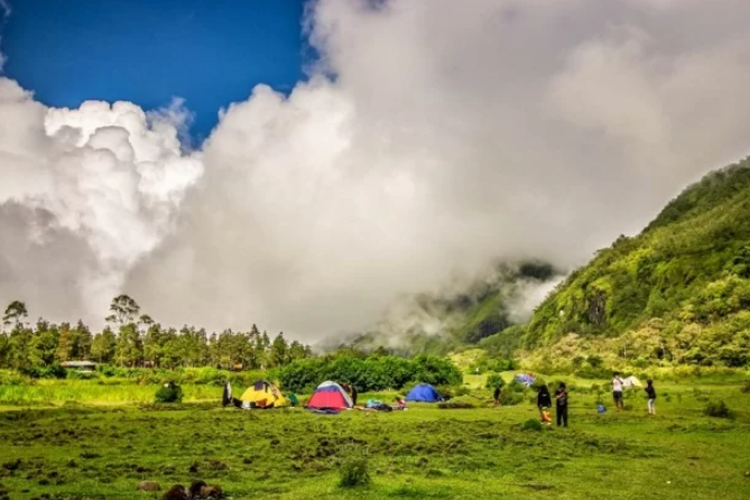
(424, 393)
(525, 379)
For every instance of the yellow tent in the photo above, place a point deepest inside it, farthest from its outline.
(263, 394)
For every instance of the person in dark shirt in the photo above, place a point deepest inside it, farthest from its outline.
(562, 405)
(651, 392)
(543, 398)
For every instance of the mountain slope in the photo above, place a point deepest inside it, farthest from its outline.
(679, 292)
(441, 322)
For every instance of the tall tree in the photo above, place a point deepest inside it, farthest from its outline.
(129, 348)
(82, 341)
(65, 343)
(103, 346)
(15, 313)
(124, 310)
(279, 352)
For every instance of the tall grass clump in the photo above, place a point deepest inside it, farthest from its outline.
(718, 409)
(353, 468)
(169, 393)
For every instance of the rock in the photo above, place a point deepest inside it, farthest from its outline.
(213, 491)
(196, 488)
(747, 474)
(149, 486)
(176, 492)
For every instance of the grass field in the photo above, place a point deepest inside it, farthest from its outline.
(83, 450)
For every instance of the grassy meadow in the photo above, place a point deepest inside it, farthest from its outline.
(78, 444)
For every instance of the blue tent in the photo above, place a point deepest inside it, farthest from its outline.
(424, 393)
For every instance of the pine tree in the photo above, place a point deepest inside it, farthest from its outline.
(279, 352)
(65, 343)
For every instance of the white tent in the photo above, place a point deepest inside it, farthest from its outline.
(631, 382)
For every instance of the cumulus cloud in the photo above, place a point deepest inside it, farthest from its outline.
(432, 139)
(103, 178)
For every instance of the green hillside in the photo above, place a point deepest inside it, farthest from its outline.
(677, 293)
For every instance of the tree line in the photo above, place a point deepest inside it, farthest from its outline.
(132, 339)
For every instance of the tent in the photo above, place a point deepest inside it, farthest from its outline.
(631, 382)
(330, 395)
(424, 393)
(525, 379)
(263, 394)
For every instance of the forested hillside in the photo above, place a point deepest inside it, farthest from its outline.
(677, 293)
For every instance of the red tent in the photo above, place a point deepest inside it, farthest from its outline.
(330, 395)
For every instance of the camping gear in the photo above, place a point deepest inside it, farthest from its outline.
(263, 394)
(226, 396)
(374, 404)
(525, 379)
(424, 393)
(293, 399)
(631, 382)
(329, 394)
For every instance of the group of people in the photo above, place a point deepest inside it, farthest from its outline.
(544, 400)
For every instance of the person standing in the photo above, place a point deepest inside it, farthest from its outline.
(617, 385)
(562, 405)
(651, 392)
(543, 402)
(496, 396)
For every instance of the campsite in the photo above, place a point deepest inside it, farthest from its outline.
(57, 445)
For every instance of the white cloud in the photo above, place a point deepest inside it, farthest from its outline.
(453, 134)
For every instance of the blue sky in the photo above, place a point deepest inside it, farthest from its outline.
(210, 52)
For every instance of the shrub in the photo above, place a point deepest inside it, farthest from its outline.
(169, 393)
(532, 424)
(353, 467)
(746, 387)
(538, 382)
(456, 404)
(510, 395)
(375, 373)
(718, 409)
(495, 381)
(52, 371)
(449, 392)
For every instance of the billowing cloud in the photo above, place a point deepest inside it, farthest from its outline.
(107, 179)
(432, 139)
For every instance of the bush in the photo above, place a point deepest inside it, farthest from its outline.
(718, 409)
(353, 467)
(532, 424)
(495, 381)
(449, 392)
(746, 387)
(375, 373)
(538, 382)
(512, 394)
(51, 371)
(456, 404)
(169, 393)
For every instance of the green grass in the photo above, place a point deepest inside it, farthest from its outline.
(86, 451)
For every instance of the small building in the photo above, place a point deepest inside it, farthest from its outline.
(82, 366)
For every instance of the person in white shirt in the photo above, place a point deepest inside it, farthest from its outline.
(617, 385)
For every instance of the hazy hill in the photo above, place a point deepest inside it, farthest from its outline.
(464, 315)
